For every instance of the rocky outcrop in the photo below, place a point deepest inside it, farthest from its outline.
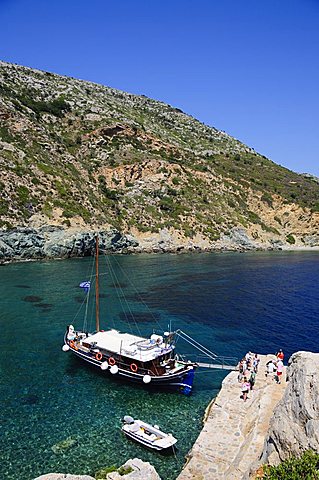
(238, 238)
(57, 242)
(139, 471)
(136, 468)
(294, 427)
(311, 240)
(63, 476)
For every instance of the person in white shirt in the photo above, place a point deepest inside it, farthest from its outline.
(270, 366)
(280, 367)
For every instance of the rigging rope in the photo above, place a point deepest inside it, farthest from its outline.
(196, 344)
(121, 296)
(137, 294)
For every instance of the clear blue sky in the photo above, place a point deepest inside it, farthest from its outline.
(249, 67)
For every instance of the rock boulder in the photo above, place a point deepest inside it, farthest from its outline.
(140, 471)
(294, 427)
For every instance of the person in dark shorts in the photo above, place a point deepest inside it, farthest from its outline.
(245, 387)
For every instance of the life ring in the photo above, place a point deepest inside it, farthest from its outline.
(98, 356)
(111, 361)
(133, 367)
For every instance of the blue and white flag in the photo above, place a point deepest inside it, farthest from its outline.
(86, 286)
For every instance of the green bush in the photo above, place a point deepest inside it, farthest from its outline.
(107, 192)
(166, 204)
(125, 470)
(5, 135)
(253, 217)
(315, 207)
(267, 198)
(290, 239)
(4, 206)
(102, 473)
(47, 209)
(47, 169)
(175, 180)
(56, 107)
(304, 468)
(23, 194)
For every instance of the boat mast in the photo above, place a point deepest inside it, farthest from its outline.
(97, 312)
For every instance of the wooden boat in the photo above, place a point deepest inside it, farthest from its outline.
(149, 361)
(148, 435)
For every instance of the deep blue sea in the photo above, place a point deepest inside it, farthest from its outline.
(230, 302)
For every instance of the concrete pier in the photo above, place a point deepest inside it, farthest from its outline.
(231, 441)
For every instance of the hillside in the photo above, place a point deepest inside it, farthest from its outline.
(82, 155)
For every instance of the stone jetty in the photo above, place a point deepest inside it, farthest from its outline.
(232, 440)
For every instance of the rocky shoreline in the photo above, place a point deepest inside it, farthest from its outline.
(51, 241)
(277, 422)
(48, 242)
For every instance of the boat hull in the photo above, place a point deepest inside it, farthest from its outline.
(176, 381)
(149, 444)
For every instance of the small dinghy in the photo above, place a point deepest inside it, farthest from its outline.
(148, 435)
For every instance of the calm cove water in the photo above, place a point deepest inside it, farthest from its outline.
(230, 302)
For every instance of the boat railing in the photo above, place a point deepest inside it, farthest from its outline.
(206, 358)
(205, 361)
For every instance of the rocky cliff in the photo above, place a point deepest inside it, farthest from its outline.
(84, 156)
(294, 426)
(57, 242)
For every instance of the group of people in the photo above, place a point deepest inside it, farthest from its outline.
(248, 368)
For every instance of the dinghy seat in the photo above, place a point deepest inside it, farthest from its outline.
(134, 427)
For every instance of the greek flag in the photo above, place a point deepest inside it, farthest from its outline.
(86, 286)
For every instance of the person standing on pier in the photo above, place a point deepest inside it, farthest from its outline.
(252, 380)
(256, 361)
(245, 387)
(280, 367)
(270, 368)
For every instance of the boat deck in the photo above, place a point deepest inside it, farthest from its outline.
(131, 346)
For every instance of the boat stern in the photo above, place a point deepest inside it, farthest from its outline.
(187, 385)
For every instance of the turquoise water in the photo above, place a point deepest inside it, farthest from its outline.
(229, 302)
